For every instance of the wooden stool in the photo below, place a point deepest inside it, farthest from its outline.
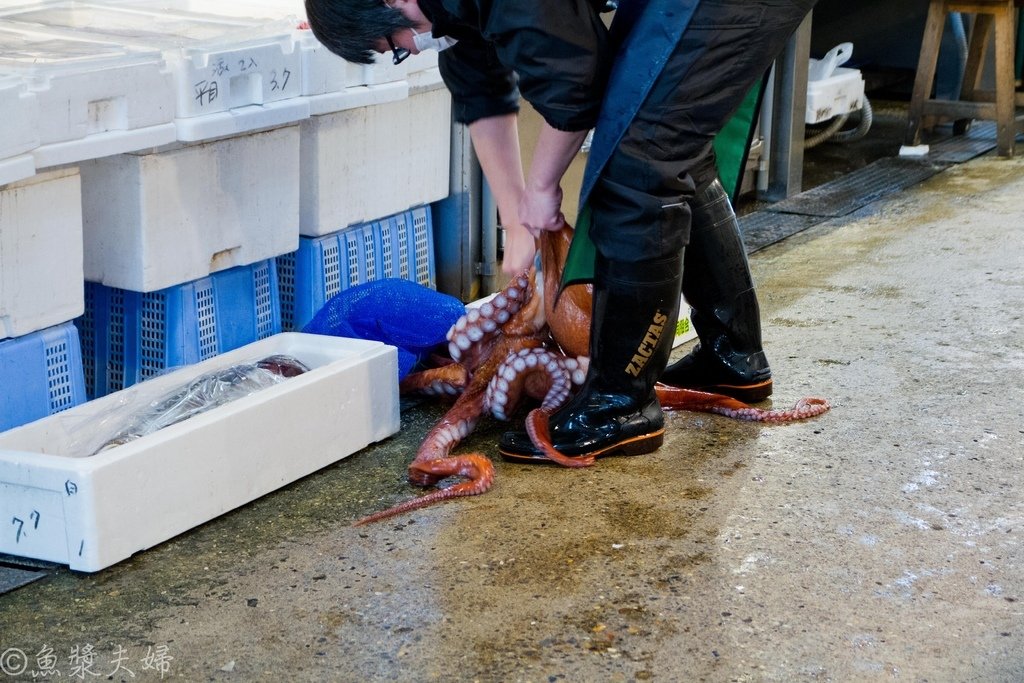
(999, 106)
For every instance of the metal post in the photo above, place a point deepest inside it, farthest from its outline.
(488, 240)
(788, 104)
(457, 222)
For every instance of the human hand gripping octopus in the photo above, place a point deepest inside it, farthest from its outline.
(522, 342)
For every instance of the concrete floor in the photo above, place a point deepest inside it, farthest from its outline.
(881, 541)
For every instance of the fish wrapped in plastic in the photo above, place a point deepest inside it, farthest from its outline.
(205, 393)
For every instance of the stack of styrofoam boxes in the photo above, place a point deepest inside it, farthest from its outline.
(80, 98)
(346, 190)
(41, 370)
(230, 74)
(180, 239)
(162, 220)
(179, 252)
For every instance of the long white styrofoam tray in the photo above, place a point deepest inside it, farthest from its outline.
(91, 512)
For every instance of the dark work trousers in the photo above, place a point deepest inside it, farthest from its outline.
(640, 201)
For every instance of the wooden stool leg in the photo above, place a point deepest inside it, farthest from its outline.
(1006, 129)
(973, 67)
(926, 64)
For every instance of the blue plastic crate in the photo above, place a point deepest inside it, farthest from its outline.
(421, 245)
(322, 267)
(412, 247)
(398, 246)
(40, 374)
(130, 336)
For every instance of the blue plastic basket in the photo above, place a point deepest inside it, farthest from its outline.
(399, 246)
(40, 374)
(413, 247)
(130, 336)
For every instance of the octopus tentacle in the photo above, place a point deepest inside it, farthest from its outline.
(536, 372)
(472, 335)
(447, 380)
(477, 468)
(434, 461)
(554, 377)
(676, 398)
(537, 426)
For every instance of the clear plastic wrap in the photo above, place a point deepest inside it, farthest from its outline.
(139, 414)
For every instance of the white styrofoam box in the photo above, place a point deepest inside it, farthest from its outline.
(423, 61)
(158, 219)
(18, 135)
(242, 120)
(21, 110)
(87, 89)
(840, 93)
(16, 168)
(425, 80)
(218, 62)
(357, 96)
(321, 72)
(383, 70)
(91, 512)
(41, 275)
(360, 164)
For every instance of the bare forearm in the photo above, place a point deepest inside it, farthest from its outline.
(496, 143)
(541, 205)
(554, 152)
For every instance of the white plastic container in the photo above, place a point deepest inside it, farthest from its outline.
(840, 93)
(18, 135)
(93, 98)
(361, 164)
(91, 512)
(158, 219)
(41, 281)
(219, 63)
(322, 72)
(832, 90)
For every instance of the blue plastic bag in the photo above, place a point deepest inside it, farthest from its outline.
(402, 313)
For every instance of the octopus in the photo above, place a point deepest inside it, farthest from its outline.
(530, 340)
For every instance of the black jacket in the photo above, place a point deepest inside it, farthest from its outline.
(554, 51)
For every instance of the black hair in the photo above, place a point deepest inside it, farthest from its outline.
(350, 28)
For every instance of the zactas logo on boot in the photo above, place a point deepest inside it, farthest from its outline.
(648, 345)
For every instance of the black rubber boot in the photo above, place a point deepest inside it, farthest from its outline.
(616, 410)
(720, 291)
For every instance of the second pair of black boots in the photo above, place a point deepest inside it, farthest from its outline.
(724, 311)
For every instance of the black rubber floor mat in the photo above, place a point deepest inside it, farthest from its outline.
(763, 228)
(871, 183)
(16, 572)
(956, 149)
